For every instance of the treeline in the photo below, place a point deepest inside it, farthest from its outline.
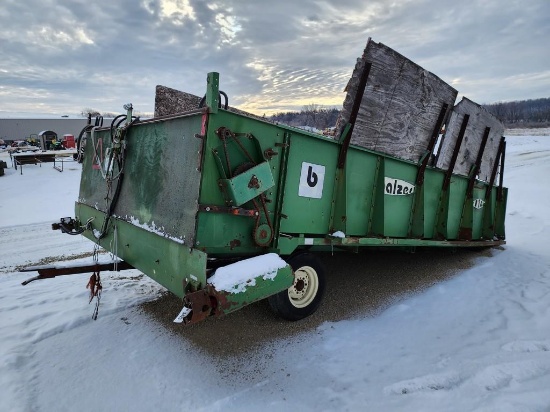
(110, 115)
(312, 115)
(522, 113)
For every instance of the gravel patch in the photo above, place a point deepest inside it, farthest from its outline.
(358, 286)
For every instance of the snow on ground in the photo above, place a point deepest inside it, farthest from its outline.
(542, 131)
(477, 342)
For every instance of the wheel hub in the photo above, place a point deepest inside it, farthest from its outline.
(305, 287)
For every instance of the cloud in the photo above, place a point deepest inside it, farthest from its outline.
(61, 56)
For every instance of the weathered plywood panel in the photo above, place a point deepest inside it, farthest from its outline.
(478, 121)
(400, 106)
(171, 101)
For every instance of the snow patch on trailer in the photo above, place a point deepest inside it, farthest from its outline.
(235, 278)
(153, 228)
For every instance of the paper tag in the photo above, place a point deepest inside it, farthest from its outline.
(182, 315)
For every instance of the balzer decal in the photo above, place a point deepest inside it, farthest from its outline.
(312, 179)
(397, 187)
(478, 203)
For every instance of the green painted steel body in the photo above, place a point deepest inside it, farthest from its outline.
(173, 265)
(236, 299)
(214, 183)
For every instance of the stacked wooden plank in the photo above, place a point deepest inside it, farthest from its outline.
(478, 120)
(399, 111)
(400, 105)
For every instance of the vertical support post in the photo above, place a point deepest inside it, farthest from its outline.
(500, 152)
(500, 207)
(129, 109)
(431, 144)
(459, 139)
(374, 196)
(489, 213)
(213, 91)
(477, 165)
(416, 222)
(501, 177)
(339, 200)
(281, 188)
(443, 208)
(467, 219)
(353, 116)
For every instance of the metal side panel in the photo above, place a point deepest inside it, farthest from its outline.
(160, 187)
(168, 262)
(309, 185)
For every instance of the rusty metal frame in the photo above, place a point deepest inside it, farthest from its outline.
(459, 139)
(236, 211)
(431, 144)
(477, 165)
(51, 271)
(353, 115)
(500, 152)
(417, 213)
(501, 180)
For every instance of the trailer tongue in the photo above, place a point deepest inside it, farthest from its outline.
(224, 208)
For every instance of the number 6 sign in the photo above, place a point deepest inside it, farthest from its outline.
(312, 179)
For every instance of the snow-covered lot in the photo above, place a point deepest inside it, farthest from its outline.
(479, 341)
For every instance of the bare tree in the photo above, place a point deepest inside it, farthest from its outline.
(88, 111)
(311, 110)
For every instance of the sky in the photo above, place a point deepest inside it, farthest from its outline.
(64, 56)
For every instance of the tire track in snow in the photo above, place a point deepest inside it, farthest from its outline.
(33, 244)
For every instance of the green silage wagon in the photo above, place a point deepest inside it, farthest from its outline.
(224, 208)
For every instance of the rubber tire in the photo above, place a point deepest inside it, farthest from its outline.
(305, 266)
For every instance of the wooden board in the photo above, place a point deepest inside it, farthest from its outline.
(400, 106)
(478, 121)
(171, 101)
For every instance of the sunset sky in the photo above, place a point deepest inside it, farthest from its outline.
(62, 56)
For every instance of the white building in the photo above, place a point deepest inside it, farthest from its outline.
(23, 128)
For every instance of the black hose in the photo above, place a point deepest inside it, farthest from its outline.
(79, 154)
(123, 116)
(69, 231)
(226, 100)
(120, 178)
(202, 103)
(115, 126)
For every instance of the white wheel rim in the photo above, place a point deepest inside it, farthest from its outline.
(305, 287)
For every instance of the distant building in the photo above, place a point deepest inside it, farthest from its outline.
(20, 129)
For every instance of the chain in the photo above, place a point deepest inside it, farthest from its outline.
(94, 284)
(114, 249)
(97, 294)
(266, 214)
(243, 149)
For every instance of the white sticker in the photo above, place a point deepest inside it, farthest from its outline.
(478, 203)
(182, 315)
(312, 179)
(397, 187)
(108, 167)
